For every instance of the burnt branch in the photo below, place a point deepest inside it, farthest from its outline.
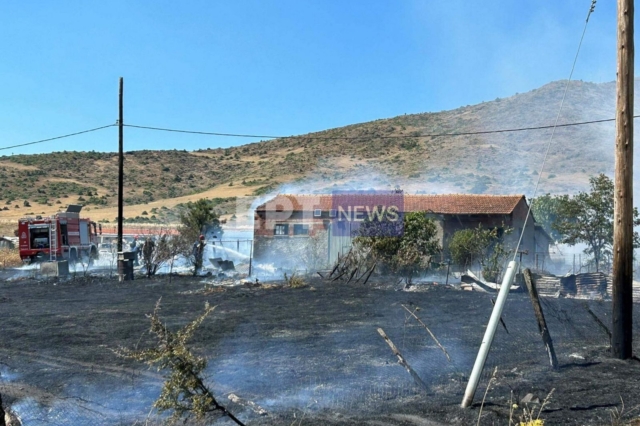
(428, 331)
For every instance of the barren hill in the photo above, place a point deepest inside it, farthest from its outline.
(399, 151)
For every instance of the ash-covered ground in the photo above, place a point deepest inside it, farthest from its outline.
(309, 356)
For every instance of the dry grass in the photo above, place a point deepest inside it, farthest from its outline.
(493, 379)
(295, 281)
(10, 258)
(7, 227)
(528, 417)
(8, 219)
(17, 166)
(137, 209)
(620, 416)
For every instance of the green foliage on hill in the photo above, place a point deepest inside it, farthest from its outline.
(403, 149)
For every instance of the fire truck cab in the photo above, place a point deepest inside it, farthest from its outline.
(62, 236)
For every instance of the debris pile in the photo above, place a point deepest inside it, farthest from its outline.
(470, 281)
(352, 267)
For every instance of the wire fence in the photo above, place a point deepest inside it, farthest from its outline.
(578, 263)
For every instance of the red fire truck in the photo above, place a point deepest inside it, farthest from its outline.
(62, 236)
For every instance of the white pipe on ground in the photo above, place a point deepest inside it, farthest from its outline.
(488, 335)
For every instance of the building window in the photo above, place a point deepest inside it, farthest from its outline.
(317, 213)
(300, 229)
(281, 229)
(333, 213)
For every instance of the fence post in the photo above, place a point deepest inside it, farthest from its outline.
(542, 324)
(250, 256)
(580, 263)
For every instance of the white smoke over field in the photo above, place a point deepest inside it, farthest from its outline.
(352, 375)
(84, 403)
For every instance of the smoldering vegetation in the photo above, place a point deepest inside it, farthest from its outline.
(309, 355)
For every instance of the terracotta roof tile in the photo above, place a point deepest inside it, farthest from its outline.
(441, 204)
(463, 203)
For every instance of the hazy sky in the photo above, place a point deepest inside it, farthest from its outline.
(275, 67)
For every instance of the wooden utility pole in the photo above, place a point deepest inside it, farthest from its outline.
(623, 202)
(120, 165)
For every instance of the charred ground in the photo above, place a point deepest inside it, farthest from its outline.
(308, 355)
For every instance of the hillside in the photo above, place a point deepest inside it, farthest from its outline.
(383, 153)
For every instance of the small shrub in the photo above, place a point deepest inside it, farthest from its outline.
(184, 392)
(294, 281)
(528, 417)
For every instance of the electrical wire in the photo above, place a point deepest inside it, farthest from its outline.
(239, 135)
(426, 135)
(546, 154)
(57, 137)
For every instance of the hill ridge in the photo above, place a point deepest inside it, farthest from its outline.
(383, 153)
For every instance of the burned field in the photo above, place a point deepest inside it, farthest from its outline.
(308, 356)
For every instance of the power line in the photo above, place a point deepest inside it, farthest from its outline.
(553, 132)
(240, 135)
(57, 137)
(427, 135)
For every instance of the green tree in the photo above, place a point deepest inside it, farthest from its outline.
(481, 245)
(408, 254)
(197, 217)
(588, 218)
(494, 262)
(467, 246)
(545, 210)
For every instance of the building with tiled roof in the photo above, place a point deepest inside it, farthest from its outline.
(284, 223)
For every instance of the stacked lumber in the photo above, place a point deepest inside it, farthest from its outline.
(592, 285)
(635, 289)
(548, 285)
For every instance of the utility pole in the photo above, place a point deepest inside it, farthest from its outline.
(120, 165)
(623, 202)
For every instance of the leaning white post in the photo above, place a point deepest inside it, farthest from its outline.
(488, 334)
